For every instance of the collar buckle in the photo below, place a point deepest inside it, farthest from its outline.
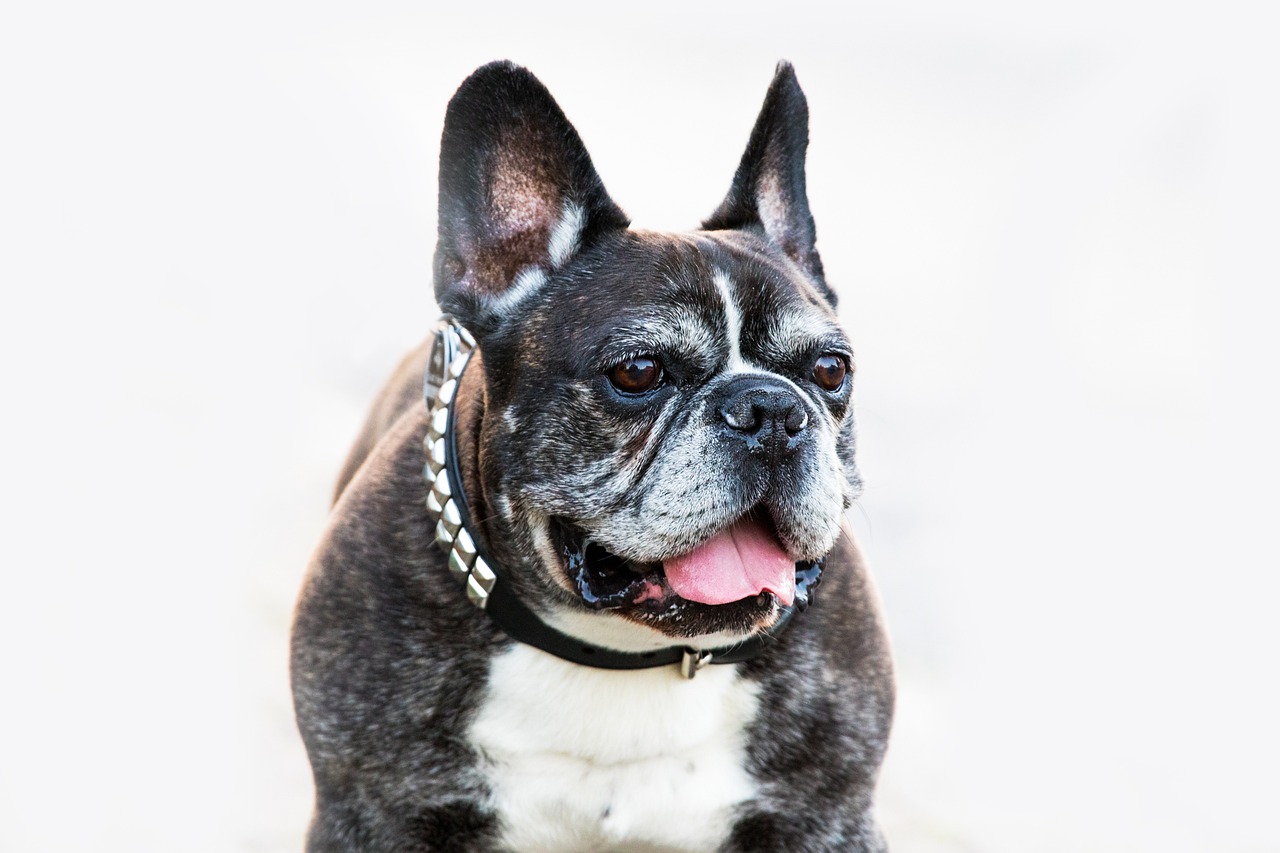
(693, 660)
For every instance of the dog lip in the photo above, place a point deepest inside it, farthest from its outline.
(645, 589)
(605, 580)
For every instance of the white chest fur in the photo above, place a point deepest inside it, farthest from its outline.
(583, 759)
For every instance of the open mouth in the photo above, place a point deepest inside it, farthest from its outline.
(742, 564)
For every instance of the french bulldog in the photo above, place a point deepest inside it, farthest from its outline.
(571, 602)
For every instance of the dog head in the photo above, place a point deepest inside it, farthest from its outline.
(666, 435)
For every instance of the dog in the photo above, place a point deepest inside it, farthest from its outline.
(571, 601)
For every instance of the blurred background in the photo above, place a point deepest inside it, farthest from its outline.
(1053, 228)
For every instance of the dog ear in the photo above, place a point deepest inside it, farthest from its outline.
(518, 194)
(768, 191)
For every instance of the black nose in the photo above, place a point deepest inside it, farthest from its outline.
(762, 410)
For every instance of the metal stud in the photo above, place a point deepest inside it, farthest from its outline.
(476, 594)
(433, 503)
(455, 368)
(444, 538)
(445, 395)
(466, 336)
(463, 544)
(443, 487)
(429, 475)
(459, 564)
(437, 458)
(451, 519)
(439, 420)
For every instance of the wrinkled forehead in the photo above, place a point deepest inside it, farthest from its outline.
(690, 293)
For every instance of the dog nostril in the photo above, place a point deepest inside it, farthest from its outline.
(752, 413)
(742, 415)
(797, 420)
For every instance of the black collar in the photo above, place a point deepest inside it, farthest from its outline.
(471, 564)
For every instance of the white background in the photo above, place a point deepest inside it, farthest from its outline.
(1053, 227)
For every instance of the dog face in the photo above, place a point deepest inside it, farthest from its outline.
(667, 437)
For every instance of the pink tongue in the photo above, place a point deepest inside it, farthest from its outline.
(738, 562)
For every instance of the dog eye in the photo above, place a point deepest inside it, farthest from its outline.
(636, 375)
(829, 372)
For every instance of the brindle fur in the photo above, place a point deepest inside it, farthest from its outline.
(389, 658)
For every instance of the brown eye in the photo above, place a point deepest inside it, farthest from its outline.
(829, 371)
(636, 375)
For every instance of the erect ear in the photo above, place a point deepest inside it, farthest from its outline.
(768, 191)
(518, 194)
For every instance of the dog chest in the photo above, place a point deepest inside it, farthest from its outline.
(582, 759)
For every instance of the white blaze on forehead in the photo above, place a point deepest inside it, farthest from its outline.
(733, 322)
(732, 319)
(566, 234)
